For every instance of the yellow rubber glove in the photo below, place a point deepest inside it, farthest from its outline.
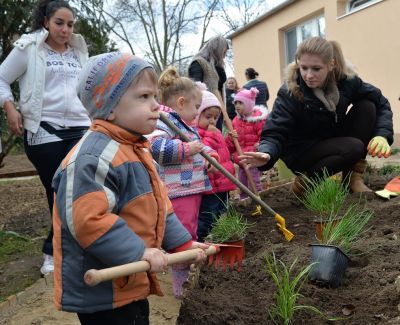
(378, 146)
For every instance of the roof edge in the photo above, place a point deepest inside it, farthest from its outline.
(259, 19)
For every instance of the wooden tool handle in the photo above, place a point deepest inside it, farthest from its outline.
(93, 277)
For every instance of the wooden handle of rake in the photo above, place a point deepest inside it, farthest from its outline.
(281, 221)
(229, 126)
(94, 277)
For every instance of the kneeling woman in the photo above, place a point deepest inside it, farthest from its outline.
(312, 125)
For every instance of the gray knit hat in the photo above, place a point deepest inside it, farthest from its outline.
(105, 78)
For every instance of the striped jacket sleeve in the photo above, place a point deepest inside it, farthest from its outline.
(167, 150)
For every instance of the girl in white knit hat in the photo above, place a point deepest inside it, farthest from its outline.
(213, 202)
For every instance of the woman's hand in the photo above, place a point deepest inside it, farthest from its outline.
(14, 118)
(157, 259)
(378, 146)
(254, 159)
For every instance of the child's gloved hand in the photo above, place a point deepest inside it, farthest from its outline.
(195, 147)
(234, 134)
(157, 259)
(378, 146)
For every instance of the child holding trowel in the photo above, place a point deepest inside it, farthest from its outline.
(111, 207)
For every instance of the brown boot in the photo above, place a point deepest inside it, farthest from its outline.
(298, 186)
(356, 183)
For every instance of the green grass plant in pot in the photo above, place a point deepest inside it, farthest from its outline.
(229, 229)
(338, 239)
(324, 195)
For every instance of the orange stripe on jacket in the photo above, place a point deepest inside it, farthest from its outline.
(90, 217)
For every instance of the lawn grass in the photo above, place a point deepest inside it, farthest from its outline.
(14, 248)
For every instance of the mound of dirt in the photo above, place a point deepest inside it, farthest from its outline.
(229, 297)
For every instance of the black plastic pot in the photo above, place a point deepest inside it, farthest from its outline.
(331, 263)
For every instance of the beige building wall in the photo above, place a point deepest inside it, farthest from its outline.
(369, 38)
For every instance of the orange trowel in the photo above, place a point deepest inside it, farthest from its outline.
(391, 189)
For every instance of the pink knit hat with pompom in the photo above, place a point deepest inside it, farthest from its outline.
(248, 98)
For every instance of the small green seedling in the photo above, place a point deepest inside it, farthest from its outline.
(288, 288)
(389, 170)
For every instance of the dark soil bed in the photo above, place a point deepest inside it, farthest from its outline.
(229, 297)
(24, 223)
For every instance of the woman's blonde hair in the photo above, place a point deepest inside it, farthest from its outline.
(236, 83)
(329, 51)
(171, 84)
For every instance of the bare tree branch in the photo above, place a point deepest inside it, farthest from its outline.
(237, 13)
(161, 24)
(95, 8)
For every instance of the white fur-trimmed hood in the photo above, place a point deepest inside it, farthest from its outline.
(260, 112)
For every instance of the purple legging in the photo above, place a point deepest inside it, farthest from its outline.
(255, 173)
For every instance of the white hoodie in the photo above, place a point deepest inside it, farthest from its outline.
(47, 81)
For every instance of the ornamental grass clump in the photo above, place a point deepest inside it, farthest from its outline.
(324, 194)
(288, 286)
(350, 229)
(230, 226)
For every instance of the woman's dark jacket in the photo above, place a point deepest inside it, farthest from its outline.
(230, 106)
(294, 125)
(263, 94)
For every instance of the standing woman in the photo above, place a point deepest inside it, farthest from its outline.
(252, 81)
(310, 127)
(231, 88)
(208, 66)
(52, 119)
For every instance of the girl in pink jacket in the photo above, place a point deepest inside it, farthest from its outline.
(247, 126)
(214, 202)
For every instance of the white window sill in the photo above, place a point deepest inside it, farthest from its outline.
(369, 4)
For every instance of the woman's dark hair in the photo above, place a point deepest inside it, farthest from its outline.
(46, 9)
(251, 73)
